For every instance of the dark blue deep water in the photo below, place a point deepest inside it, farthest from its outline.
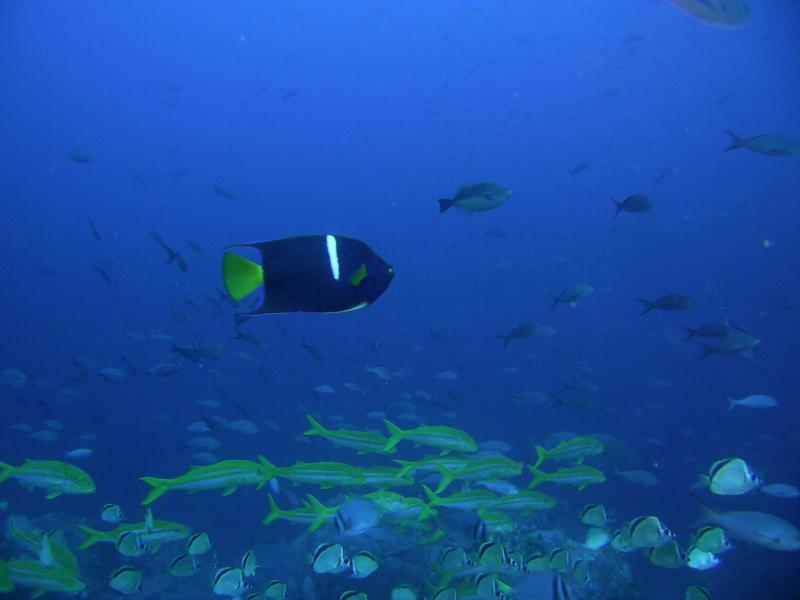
(353, 118)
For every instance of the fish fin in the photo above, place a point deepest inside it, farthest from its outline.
(538, 477)
(541, 456)
(93, 536)
(316, 427)
(432, 497)
(6, 584)
(445, 203)
(618, 205)
(556, 301)
(230, 490)
(446, 480)
(747, 353)
(160, 487)
(408, 466)
(275, 511)
(506, 340)
(707, 351)
(53, 494)
(5, 471)
(316, 523)
(271, 470)
(314, 503)
(241, 276)
(38, 593)
(395, 435)
(358, 276)
(731, 403)
(648, 306)
(736, 141)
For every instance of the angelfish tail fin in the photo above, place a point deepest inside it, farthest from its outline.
(240, 275)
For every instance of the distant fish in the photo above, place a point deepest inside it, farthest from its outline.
(709, 330)
(140, 179)
(93, 229)
(477, 197)
(670, 302)
(758, 528)
(736, 342)
(770, 145)
(79, 156)
(638, 203)
(753, 401)
(112, 374)
(313, 351)
(104, 275)
(112, 513)
(639, 477)
(196, 248)
(79, 453)
(580, 167)
(572, 294)
(172, 255)
(447, 376)
(727, 13)
(781, 490)
(12, 378)
(518, 332)
(220, 191)
(665, 174)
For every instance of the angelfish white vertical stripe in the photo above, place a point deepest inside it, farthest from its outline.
(333, 255)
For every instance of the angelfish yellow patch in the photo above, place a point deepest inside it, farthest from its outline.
(359, 276)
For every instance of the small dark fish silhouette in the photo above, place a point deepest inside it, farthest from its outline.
(220, 191)
(196, 248)
(104, 275)
(172, 255)
(188, 352)
(313, 351)
(580, 167)
(93, 230)
(193, 304)
(251, 338)
(668, 302)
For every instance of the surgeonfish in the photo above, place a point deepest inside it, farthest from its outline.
(476, 197)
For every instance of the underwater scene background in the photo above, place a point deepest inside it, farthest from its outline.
(138, 133)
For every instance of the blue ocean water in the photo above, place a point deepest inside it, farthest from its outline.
(353, 119)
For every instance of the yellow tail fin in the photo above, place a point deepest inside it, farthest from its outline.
(241, 276)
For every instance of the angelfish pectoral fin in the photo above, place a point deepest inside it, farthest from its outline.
(359, 275)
